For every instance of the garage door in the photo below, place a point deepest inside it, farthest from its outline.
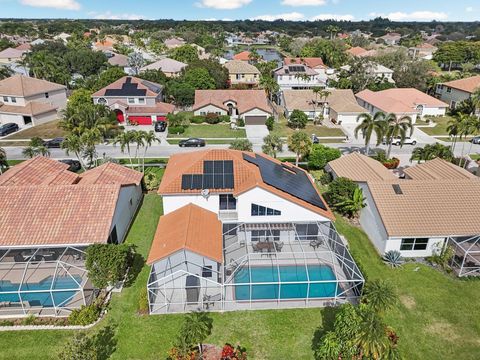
(255, 120)
(141, 120)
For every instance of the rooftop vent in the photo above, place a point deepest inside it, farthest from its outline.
(397, 189)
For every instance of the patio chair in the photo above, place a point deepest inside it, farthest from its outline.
(316, 243)
(278, 245)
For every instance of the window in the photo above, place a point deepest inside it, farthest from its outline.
(307, 231)
(265, 235)
(238, 76)
(13, 100)
(207, 271)
(227, 202)
(414, 244)
(258, 210)
(102, 101)
(5, 99)
(449, 89)
(46, 95)
(141, 100)
(131, 100)
(113, 238)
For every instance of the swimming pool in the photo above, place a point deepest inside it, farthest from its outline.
(41, 298)
(265, 274)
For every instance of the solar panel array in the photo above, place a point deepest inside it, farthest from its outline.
(288, 179)
(296, 68)
(217, 174)
(128, 89)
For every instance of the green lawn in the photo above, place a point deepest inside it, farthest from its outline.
(208, 141)
(210, 131)
(48, 130)
(437, 318)
(281, 129)
(440, 128)
(475, 156)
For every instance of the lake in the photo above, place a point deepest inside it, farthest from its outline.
(266, 54)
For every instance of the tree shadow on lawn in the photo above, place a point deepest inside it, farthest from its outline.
(137, 265)
(106, 341)
(328, 319)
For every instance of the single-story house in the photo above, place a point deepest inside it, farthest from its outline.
(423, 51)
(339, 107)
(174, 42)
(250, 105)
(10, 55)
(242, 73)
(120, 60)
(170, 67)
(453, 92)
(376, 71)
(358, 51)
(401, 102)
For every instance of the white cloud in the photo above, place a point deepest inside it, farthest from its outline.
(109, 16)
(293, 16)
(56, 4)
(338, 17)
(223, 4)
(469, 9)
(413, 16)
(304, 2)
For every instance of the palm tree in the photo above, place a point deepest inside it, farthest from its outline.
(197, 327)
(272, 144)
(3, 160)
(371, 124)
(452, 128)
(149, 138)
(332, 29)
(270, 85)
(323, 95)
(476, 101)
(138, 141)
(300, 143)
(125, 139)
(352, 206)
(371, 337)
(380, 295)
(397, 126)
(89, 139)
(5, 72)
(73, 144)
(35, 149)
(467, 125)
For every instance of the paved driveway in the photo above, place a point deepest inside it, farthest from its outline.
(256, 133)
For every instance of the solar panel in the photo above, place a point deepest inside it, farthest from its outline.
(290, 180)
(208, 167)
(128, 89)
(217, 174)
(186, 182)
(197, 181)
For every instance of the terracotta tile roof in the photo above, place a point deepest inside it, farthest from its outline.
(32, 108)
(54, 215)
(404, 100)
(438, 169)
(167, 65)
(313, 62)
(246, 100)
(360, 168)
(38, 171)
(242, 56)
(428, 208)
(240, 67)
(340, 100)
(469, 84)
(11, 53)
(160, 108)
(24, 47)
(356, 51)
(20, 85)
(141, 84)
(246, 176)
(111, 173)
(174, 42)
(192, 228)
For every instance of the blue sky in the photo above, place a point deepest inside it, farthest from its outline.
(404, 10)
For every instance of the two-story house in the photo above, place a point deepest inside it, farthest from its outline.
(453, 92)
(245, 231)
(242, 73)
(28, 101)
(299, 76)
(134, 100)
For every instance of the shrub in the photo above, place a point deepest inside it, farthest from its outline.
(29, 320)
(198, 119)
(241, 144)
(152, 180)
(233, 353)
(179, 119)
(321, 155)
(270, 122)
(143, 301)
(339, 190)
(393, 258)
(36, 141)
(6, 323)
(87, 314)
(176, 130)
(224, 118)
(240, 122)
(322, 176)
(212, 118)
(392, 163)
(298, 119)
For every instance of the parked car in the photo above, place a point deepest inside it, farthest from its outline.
(315, 139)
(8, 128)
(54, 143)
(475, 140)
(192, 142)
(160, 126)
(398, 140)
(74, 164)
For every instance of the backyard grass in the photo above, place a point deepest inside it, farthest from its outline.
(440, 128)
(281, 129)
(48, 130)
(437, 317)
(210, 131)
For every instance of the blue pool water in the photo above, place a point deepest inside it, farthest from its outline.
(41, 299)
(263, 274)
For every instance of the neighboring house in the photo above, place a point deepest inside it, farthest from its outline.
(201, 52)
(456, 91)
(401, 102)
(121, 60)
(134, 99)
(377, 71)
(434, 205)
(423, 51)
(170, 67)
(315, 63)
(250, 105)
(299, 76)
(11, 55)
(62, 36)
(242, 73)
(339, 107)
(24, 47)
(358, 51)
(235, 220)
(48, 217)
(29, 101)
(391, 38)
(243, 56)
(174, 42)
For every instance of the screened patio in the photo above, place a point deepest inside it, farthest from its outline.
(466, 259)
(43, 281)
(265, 266)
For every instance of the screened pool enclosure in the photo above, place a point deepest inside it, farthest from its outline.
(265, 266)
(466, 258)
(43, 281)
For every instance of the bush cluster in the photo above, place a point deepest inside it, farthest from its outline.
(176, 129)
(87, 314)
(321, 155)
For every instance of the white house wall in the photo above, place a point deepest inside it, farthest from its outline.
(174, 202)
(127, 204)
(454, 95)
(209, 109)
(57, 98)
(434, 245)
(433, 111)
(12, 118)
(255, 112)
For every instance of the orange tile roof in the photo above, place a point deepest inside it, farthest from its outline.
(246, 176)
(246, 100)
(469, 84)
(55, 215)
(313, 62)
(438, 169)
(189, 227)
(356, 51)
(244, 56)
(38, 171)
(111, 173)
(360, 168)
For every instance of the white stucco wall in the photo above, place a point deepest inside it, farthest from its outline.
(433, 111)
(44, 118)
(174, 202)
(434, 244)
(454, 95)
(56, 98)
(125, 211)
(209, 109)
(11, 118)
(255, 112)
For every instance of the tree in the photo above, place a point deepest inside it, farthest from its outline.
(107, 264)
(216, 71)
(198, 78)
(99, 345)
(270, 85)
(397, 126)
(300, 143)
(35, 148)
(80, 97)
(185, 53)
(332, 30)
(97, 82)
(125, 139)
(321, 155)
(5, 72)
(156, 76)
(148, 138)
(241, 144)
(371, 337)
(352, 206)
(197, 327)
(432, 151)
(72, 144)
(298, 119)
(339, 190)
(272, 144)
(3, 160)
(380, 295)
(476, 101)
(135, 62)
(180, 93)
(331, 51)
(371, 124)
